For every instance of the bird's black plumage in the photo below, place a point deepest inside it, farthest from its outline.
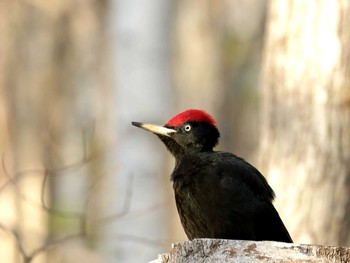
(218, 195)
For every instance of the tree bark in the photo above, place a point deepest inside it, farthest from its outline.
(222, 250)
(305, 135)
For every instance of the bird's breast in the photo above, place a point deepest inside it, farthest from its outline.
(190, 208)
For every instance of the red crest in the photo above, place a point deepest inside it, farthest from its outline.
(191, 115)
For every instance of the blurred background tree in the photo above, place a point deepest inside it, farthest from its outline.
(54, 94)
(79, 182)
(305, 125)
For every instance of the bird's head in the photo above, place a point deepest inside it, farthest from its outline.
(190, 131)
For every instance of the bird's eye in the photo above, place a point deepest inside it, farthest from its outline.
(188, 127)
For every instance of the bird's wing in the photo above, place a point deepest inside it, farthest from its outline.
(269, 226)
(250, 191)
(238, 169)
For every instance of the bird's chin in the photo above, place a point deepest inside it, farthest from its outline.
(174, 148)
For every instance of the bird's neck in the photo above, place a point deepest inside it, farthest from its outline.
(174, 148)
(179, 151)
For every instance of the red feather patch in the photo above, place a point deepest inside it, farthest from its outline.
(191, 115)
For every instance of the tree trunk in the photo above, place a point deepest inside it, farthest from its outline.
(52, 79)
(305, 132)
(221, 250)
(140, 59)
(197, 68)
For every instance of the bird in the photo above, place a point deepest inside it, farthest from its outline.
(217, 194)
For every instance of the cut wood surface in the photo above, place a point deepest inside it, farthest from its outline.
(221, 250)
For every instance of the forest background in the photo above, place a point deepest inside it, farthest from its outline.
(77, 181)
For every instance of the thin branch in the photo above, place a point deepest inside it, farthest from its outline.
(18, 241)
(126, 205)
(51, 244)
(14, 179)
(83, 217)
(56, 212)
(144, 211)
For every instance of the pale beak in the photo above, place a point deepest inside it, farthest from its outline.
(157, 129)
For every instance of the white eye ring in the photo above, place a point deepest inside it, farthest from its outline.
(188, 127)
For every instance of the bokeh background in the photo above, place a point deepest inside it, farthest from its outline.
(78, 183)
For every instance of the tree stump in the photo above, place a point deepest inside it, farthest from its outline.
(222, 250)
